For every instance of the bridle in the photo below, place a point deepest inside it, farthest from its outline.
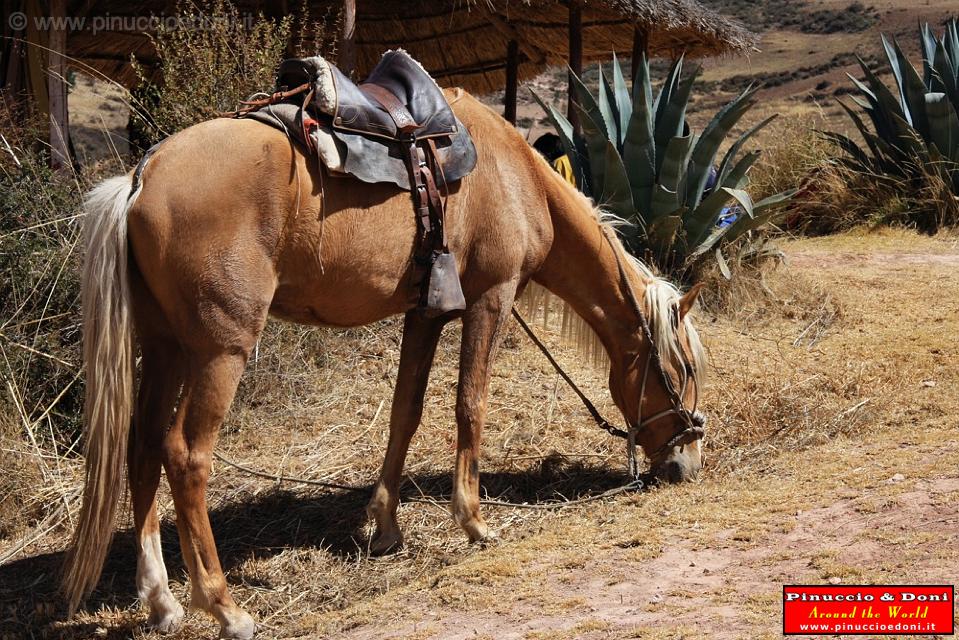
(692, 422)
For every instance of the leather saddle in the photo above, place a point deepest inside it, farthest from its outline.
(395, 127)
(365, 135)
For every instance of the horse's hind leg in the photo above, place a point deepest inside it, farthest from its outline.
(208, 390)
(160, 381)
(420, 335)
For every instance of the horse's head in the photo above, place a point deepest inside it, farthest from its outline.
(658, 395)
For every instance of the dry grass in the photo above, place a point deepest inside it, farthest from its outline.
(811, 368)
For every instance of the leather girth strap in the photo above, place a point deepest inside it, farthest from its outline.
(440, 290)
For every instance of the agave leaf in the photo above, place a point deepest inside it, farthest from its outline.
(723, 267)
(624, 106)
(928, 41)
(742, 198)
(588, 105)
(595, 148)
(674, 164)
(666, 91)
(639, 148)
(911, 88)
(888, 107)
(727, 165)
(661, 234)
(607, 107)
(764, 211)
(735, 176)
(701, 222)
(564, 129)
(863, 130)
(672, 122)
(862, 161)
(946, 69)
(944, 124)
(705, 150)
(617, 197)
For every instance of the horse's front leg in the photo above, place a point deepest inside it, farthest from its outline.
(483, 324)
(420, 336)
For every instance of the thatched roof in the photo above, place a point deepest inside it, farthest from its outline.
(463, 42)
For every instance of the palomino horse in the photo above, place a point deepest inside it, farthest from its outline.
(231, 223)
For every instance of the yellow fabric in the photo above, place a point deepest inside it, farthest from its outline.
(565, 169)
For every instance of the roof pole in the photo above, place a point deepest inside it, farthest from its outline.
(57, 90)
(640, 47)
(575, 56)
(346, 60)
(512, 80)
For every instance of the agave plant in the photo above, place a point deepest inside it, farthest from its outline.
(917, 132)
(641, 161)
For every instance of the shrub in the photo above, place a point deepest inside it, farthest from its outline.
(912, 146)
(642, 162)
(206, 71)
(39, 319)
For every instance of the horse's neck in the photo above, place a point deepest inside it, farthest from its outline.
(582, 269)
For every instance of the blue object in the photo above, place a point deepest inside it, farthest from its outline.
(727, 216)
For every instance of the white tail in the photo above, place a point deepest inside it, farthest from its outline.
(109, 362)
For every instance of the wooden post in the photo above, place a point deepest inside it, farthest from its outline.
(575, 57)
(512, 80)
(346, 60)
(57, 89)
(640, 47)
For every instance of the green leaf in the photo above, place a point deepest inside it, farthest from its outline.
(666, 194)
(944, 124)
(639, 148)
(736, 178)
(617, 197)
(671, 122)
(911, 89)
(666, 91)
(624, 105)
(607, 107)
(766, 210)
(863, 131)
(661, 234)
(701, 222)
(596, 149)
(727, 164)
(704, 153)
(588, 104)
(946, 69)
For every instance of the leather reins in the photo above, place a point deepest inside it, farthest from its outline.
(692, 423)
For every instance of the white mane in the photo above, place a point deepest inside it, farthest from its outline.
(660, 302)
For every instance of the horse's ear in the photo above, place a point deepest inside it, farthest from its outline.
(689, 299)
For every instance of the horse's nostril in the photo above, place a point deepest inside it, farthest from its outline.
(671, 471)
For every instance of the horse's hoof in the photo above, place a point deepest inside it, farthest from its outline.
(491, 539)
(385, 544)
(241, 627)
(165, 621)
(479, 532)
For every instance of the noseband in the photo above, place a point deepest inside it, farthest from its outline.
(692, 422)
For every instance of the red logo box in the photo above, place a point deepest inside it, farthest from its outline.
(874, 610)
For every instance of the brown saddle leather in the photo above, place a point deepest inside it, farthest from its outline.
(367, 135)
(359, 109)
